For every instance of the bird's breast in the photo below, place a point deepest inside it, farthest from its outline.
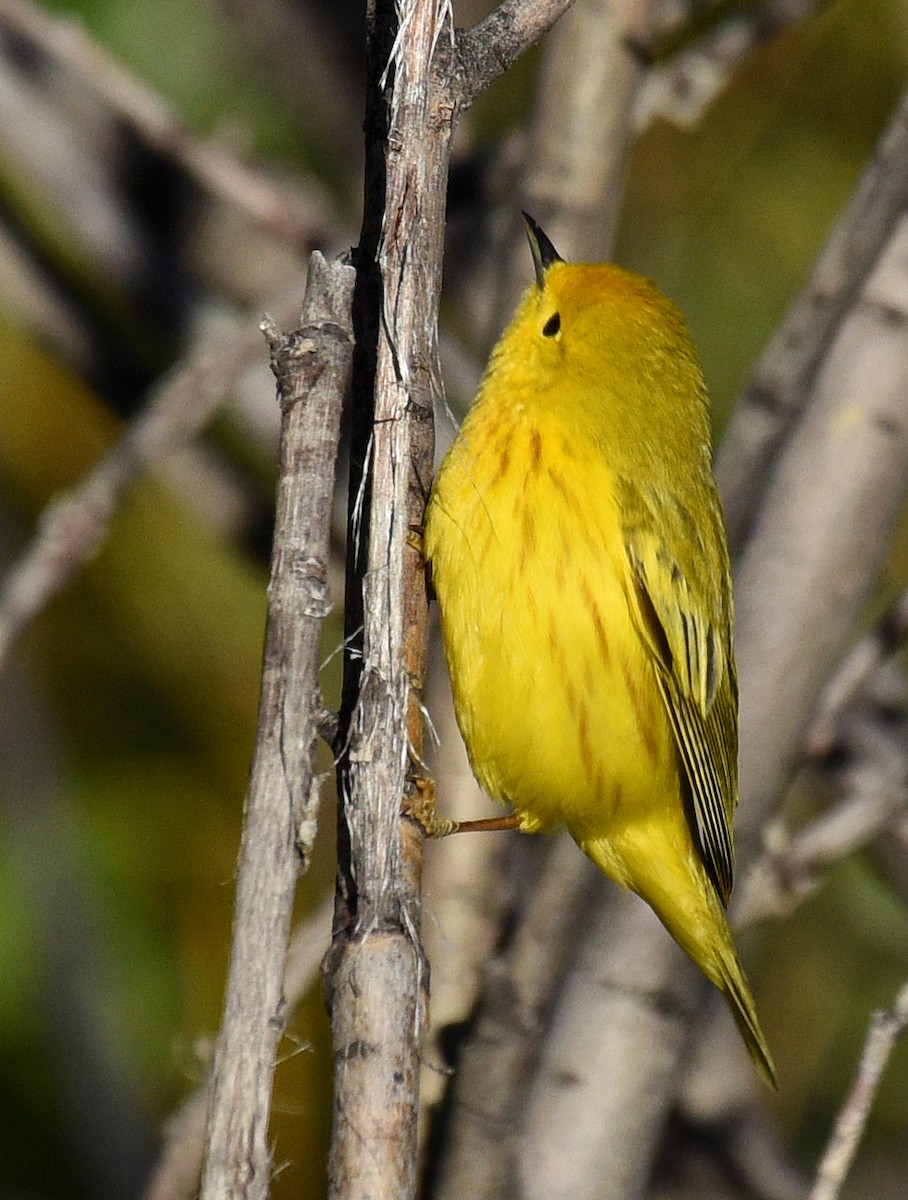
(553, 688)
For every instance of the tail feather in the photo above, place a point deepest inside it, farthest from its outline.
(736, 990)
(685, 901)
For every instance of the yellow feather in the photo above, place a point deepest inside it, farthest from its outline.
(579, 559)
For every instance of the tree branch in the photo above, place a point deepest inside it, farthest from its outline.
(312, 367)
(690, 69)
(481, 1142)
(869, 783)
(823, 531)
(293, 217)
(376, 976)
(885, 1030)
(787, 370)
(490, 47)
(582, 129)
(856, 672)
(75, 524)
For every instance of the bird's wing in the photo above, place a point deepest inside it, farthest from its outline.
(682, 602)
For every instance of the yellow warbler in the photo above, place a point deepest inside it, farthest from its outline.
(579, 557)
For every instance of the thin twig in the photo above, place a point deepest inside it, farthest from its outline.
(793, 867)
(855, 672)
(868, 779)
(290, 216)
(788, 367)
(684, 80)
(75, 524)
(312, 367)
(886, 1027)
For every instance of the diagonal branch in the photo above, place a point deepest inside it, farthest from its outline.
(885, 1030)
(74, 526)
(867, 777)
(783, 378)
(490, 47)
(293, 217)
(690, 67)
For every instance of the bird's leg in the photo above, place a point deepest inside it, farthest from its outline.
(421, 808)
(488, 824)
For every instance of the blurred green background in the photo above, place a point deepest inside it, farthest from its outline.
(128, 708)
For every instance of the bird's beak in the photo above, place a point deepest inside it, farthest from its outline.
(544, 253)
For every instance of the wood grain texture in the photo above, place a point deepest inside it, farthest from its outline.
(312, 368)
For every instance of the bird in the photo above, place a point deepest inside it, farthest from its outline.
(576, 547)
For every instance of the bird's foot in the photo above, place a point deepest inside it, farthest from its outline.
(420, 807)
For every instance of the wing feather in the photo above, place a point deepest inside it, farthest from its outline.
(684, 613)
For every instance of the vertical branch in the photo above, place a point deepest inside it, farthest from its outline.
(312, 367)
(376, 976)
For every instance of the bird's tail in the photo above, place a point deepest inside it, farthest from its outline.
(734, 987)
(686, 903)
(707, 941)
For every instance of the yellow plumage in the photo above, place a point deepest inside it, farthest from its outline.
(579, 558)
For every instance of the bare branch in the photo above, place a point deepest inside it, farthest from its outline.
(481, 1146)
(815, 552)
(856, 672)
(885, 1030)
(312, 367)
(487, 49)
(682, 82)
(788, 368)
(582, 132)
(287, 215)
(74, 525)
(376, 977)
(871, 786)
(820, 542)
(867, 777)
(592, 1118)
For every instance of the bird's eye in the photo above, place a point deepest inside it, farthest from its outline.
(552, 325)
